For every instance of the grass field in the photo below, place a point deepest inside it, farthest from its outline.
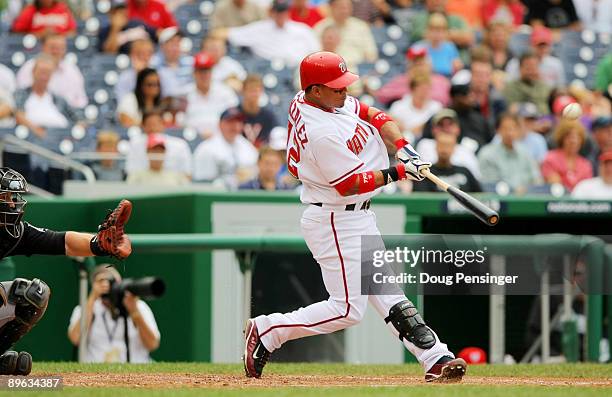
(293, 380)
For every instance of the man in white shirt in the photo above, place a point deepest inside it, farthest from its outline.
(67, 81)
(595, 14)
(207, 99)
(599, 188)
(228, 158)
(106, 341)
(226, 70)
(446, 121)
(357, 43)
(276, 37)
(551, 67)
(178, 154)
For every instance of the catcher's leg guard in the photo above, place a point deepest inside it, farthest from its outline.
(27, 302)
(410, 325)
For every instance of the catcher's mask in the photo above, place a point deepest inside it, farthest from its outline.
(12, 204)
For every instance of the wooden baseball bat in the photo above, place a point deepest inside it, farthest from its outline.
(481, 211)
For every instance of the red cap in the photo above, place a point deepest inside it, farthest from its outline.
(561, 102)
(541, 34)
(473, 355)
(325, 68)
(416, 52)
(156, 140)
(203, 60)
(605, 156)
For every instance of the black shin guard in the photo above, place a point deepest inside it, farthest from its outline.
(30, 299)
(410, 325)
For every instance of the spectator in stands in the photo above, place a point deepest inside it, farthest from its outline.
(141, 52)
(227, 159)
(458, 176)
(475, 129)
(551, 67)
(292, 40)
(487, 99)
(269, 164)
(175, 68)
(554, 14)
(258, 121)
(595, 14)
(67, 81)
(599, 188)
(234, 13)
(156, 174)
(152, 12)
(418, 63)
(506, 160)
(414, 109)
(105, 327)
(43, 17)
(497, 37)
(120, 31)
(529, 87)
(459, 31)
(565, 165)
(226, 69)
(510, 11)
(531, 140)
(37, 108)
(207, 99)
(178, 154)
(8, 82)
(446, 122)
(357, 43)
(602, 134)
(603, 76)
(302, 11)
(107, 169)
(146, 97)
(443, 53)
(373, 12)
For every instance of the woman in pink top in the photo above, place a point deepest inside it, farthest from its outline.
(564, 165)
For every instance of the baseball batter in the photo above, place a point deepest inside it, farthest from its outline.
(337, 146)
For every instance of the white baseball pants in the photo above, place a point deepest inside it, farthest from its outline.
(334, 238)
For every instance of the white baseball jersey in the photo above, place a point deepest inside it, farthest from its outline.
(326, 147)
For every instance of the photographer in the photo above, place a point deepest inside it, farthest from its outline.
(107, 340)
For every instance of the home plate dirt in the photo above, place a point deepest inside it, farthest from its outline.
(173, 380)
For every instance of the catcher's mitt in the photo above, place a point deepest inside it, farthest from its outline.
(111, 239)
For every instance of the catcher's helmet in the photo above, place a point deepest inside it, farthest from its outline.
(12, 204)
(325, 68)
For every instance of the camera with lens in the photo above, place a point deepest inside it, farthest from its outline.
(146, 288)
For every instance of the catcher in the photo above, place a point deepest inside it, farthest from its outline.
(23, 302)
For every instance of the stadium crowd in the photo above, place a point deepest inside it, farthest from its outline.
(188, 91)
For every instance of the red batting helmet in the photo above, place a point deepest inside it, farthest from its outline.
(325, 68)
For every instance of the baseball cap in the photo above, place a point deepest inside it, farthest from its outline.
(528, 110)
(445, 113)
(561, 102)
(232, 113)
(601, 122)
(203, 60)
(541, 35)
(416, 51)
(605, 156)
(155, 140)
(280, 5)
(169, 33)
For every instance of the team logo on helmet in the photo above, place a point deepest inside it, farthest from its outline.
(342, 67)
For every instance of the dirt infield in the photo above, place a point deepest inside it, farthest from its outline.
(196, 380)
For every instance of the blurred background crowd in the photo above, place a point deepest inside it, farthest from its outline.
(188, 91)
